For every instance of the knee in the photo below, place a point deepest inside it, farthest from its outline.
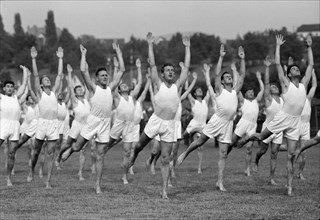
(223, 154)
(11, 154)
(127, 153)
(165, 159)
(274, 154)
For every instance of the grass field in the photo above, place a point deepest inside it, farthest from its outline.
(193, 196)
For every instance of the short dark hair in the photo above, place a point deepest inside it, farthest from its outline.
(247, 88)
(75, 88)
(8, 82)
(42, 77)
(100, 69)
(225, 74)
(290, 66)
(164, 65)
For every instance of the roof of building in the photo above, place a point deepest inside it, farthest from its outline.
(309, 28)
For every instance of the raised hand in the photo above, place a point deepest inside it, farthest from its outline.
(59, 53)
(206, 68)
(69, 68)
(33, 52)
(290, 61)
(157, 40)
(181, 64)
(267, 61)
(138, 63)
(241, 52)
(150, 38)
(309, 41)
(194, 75)
(279, 40)
(186, 41)
(115, 62)
(83, 49)
(233, 67)
(258, 75)
(116, 47)
(222, 50)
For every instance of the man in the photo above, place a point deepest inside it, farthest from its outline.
(221, 123)
(98, 121)
(288, 119)
(10, 115)
(162, 121)
(47, 128)
(307, 144)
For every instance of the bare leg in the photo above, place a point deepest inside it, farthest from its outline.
(12, 147)
(65, 146)
(51, 146)
(255, 137)
(127, 153)
(262, 150)
(273, 162)
(156, 149)
(93, 155)
(223, 149)
(166, 149)
(291, 149)
(307, 144)
(302, 161)
(42, 158)
(23, 140)
(131, 152)
(101, 150)
(175, 149)
(82, 160)
(81, 141)
(248, 158)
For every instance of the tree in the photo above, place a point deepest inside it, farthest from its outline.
(51, 33)
(6, 49)
(18, 30)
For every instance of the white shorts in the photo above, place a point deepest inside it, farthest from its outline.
(9, 129)
(274, 138)
(289, 124)
(136, 133)
(178, 130)
(47, 129)
(157, 137)
(75, 129)
(31, 128)
(165, 128)
(245, 127)
(122, 128)
(99, 127)
(304, 131)
(219, 128)
(195, 125)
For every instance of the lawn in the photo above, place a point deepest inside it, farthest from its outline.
(193, 196)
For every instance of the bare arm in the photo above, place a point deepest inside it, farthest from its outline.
(145, 90)
(85, 70)
(33, 96)
(284, 82)
(154, 72)
(306, 79)
(236, 74)
(23, 97)
(185, 70)
(73, 98)
(26, 75)
(34, 54)
(58, 81)
(218, 74)
(206, 72)
(137, 88)
(242, 69)
(116, 80)
(260, 94)
(313, 89)
(267, 94)
(151, 95)
(187, 92)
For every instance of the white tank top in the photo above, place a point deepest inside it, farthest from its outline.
(101, 102)
(200, 111)
(82, 111)
(250, 110)
(294, 99)
(32, 113)
(166, 102)
(125, 109)
(273, 109)
(306, 112)
(48, 106)
(179, 112)
(10, 108)
(62, 111)
(227, 103)
(138, 114)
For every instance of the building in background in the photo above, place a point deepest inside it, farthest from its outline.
(304, 30)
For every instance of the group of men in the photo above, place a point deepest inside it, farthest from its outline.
(107, 112)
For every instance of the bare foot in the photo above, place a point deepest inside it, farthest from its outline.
(181, 158)
(220, 186)
(9, 183)
(247, 172)
(125, 181)
(153, 169)
(41, 173)
(290, 191)
(29, 178)
(12, 172)
(48, 186)
(272, 182)
(164, 195)
(98, 190)
(131, 171)
(255, 167)
(300, 176)
(80, 177)
(199, 171)
(65, 155)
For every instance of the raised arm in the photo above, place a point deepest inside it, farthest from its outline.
(306, 79)
(58, 81)
(34, 54)
(313, 89)
(26, 75)
(145, 90)
(236, 74)
(284, 82)
(32, 94)
(23, 97)
(206, 72)
(218, 72)
(137, 87)
(241, 54)
(154, 72)
(116, 80)
(185, 70)
(260, 93)
(187, 92)
(267, 94)
(85, 70)
(151, 95)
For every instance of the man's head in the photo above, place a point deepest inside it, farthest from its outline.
(274, 88)
(198, 92)
(123, 88)
(226, 78)
(78, 91)
(167, 72)
(29, 100)
(60, 97)
(45, 81)
(102, 76)
(249, 93)
(293, 71)
(8, 88)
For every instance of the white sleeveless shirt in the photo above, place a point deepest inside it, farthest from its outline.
(101, 102)
(227, 103)
(138, 113)
(9, 108)
(273, 109)
(62, 111)
(250, 110)
(294, 99)
(166, 102)
(82, 111)
(125, 109)
(306, 112)
(200, 111)
(32, 113)
(48, 106)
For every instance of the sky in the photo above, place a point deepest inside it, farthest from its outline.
(121, 19)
